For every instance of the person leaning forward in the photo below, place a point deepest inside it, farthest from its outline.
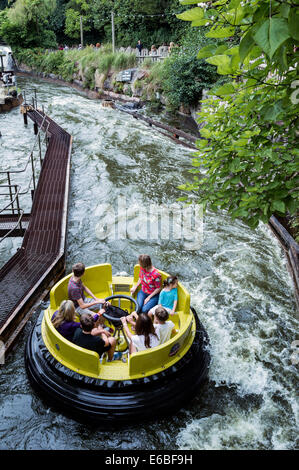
(77, 290)
(84, 338)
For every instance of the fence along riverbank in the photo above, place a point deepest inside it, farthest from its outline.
(28, 275)
(291, 249)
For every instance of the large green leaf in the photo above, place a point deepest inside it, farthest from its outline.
(191, 15)
(229, 51)
(278, 206)
(262, 37)
(223, 63)
(221, 32)
(206, 51)
(224, 90)
(283, 58)
(285, 10)
(246, 45)
(201, 22)
(262, 11)
(294, 24)
(278, 33)
(234, 4)
(221, 49)
(234, 64)
(234, 16)
(272, 34)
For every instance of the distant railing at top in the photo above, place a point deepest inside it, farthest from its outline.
(155, 55)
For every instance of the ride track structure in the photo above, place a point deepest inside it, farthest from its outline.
(29, 274)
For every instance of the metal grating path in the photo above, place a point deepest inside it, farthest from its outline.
(44, 241)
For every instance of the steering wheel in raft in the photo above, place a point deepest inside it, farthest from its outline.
(116, 313)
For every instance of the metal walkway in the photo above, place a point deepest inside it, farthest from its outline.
(41, 258)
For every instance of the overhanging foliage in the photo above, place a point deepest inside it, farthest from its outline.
(248, 161)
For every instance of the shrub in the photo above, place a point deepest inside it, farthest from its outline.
(184, 78)
(89, 77)
(122, 61)
(53, 61)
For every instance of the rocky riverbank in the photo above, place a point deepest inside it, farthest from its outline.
(131, 85)
(135, 91)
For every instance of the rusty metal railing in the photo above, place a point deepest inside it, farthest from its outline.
(12, 190)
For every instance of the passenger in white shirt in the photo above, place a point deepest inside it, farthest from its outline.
(163, 326)
(145, 337)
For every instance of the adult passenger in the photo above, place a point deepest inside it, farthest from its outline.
(64, 319)
(150, 281)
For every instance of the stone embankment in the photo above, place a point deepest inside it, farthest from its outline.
(130, 85)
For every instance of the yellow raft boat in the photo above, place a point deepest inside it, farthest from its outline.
(143, 385)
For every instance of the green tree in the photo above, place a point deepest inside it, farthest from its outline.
(151, 21)
(57, 20)
(75, 9)
(248, 159)
(25, 24)
(184, 76)
(3, 4)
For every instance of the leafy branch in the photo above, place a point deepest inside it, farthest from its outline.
(250, 124)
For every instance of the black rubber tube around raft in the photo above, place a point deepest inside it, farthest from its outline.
(100, 401)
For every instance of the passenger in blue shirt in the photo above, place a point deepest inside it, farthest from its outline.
(168, 297)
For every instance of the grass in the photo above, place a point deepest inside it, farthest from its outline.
(87, 61)
(84, 63)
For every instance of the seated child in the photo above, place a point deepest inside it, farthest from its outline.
(100, 343)
(145, 336)
(77, 291)
(162, 325)
(168, 297)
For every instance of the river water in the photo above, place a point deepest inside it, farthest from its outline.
(124, 179)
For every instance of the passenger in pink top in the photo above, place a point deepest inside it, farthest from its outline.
(150, 281)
